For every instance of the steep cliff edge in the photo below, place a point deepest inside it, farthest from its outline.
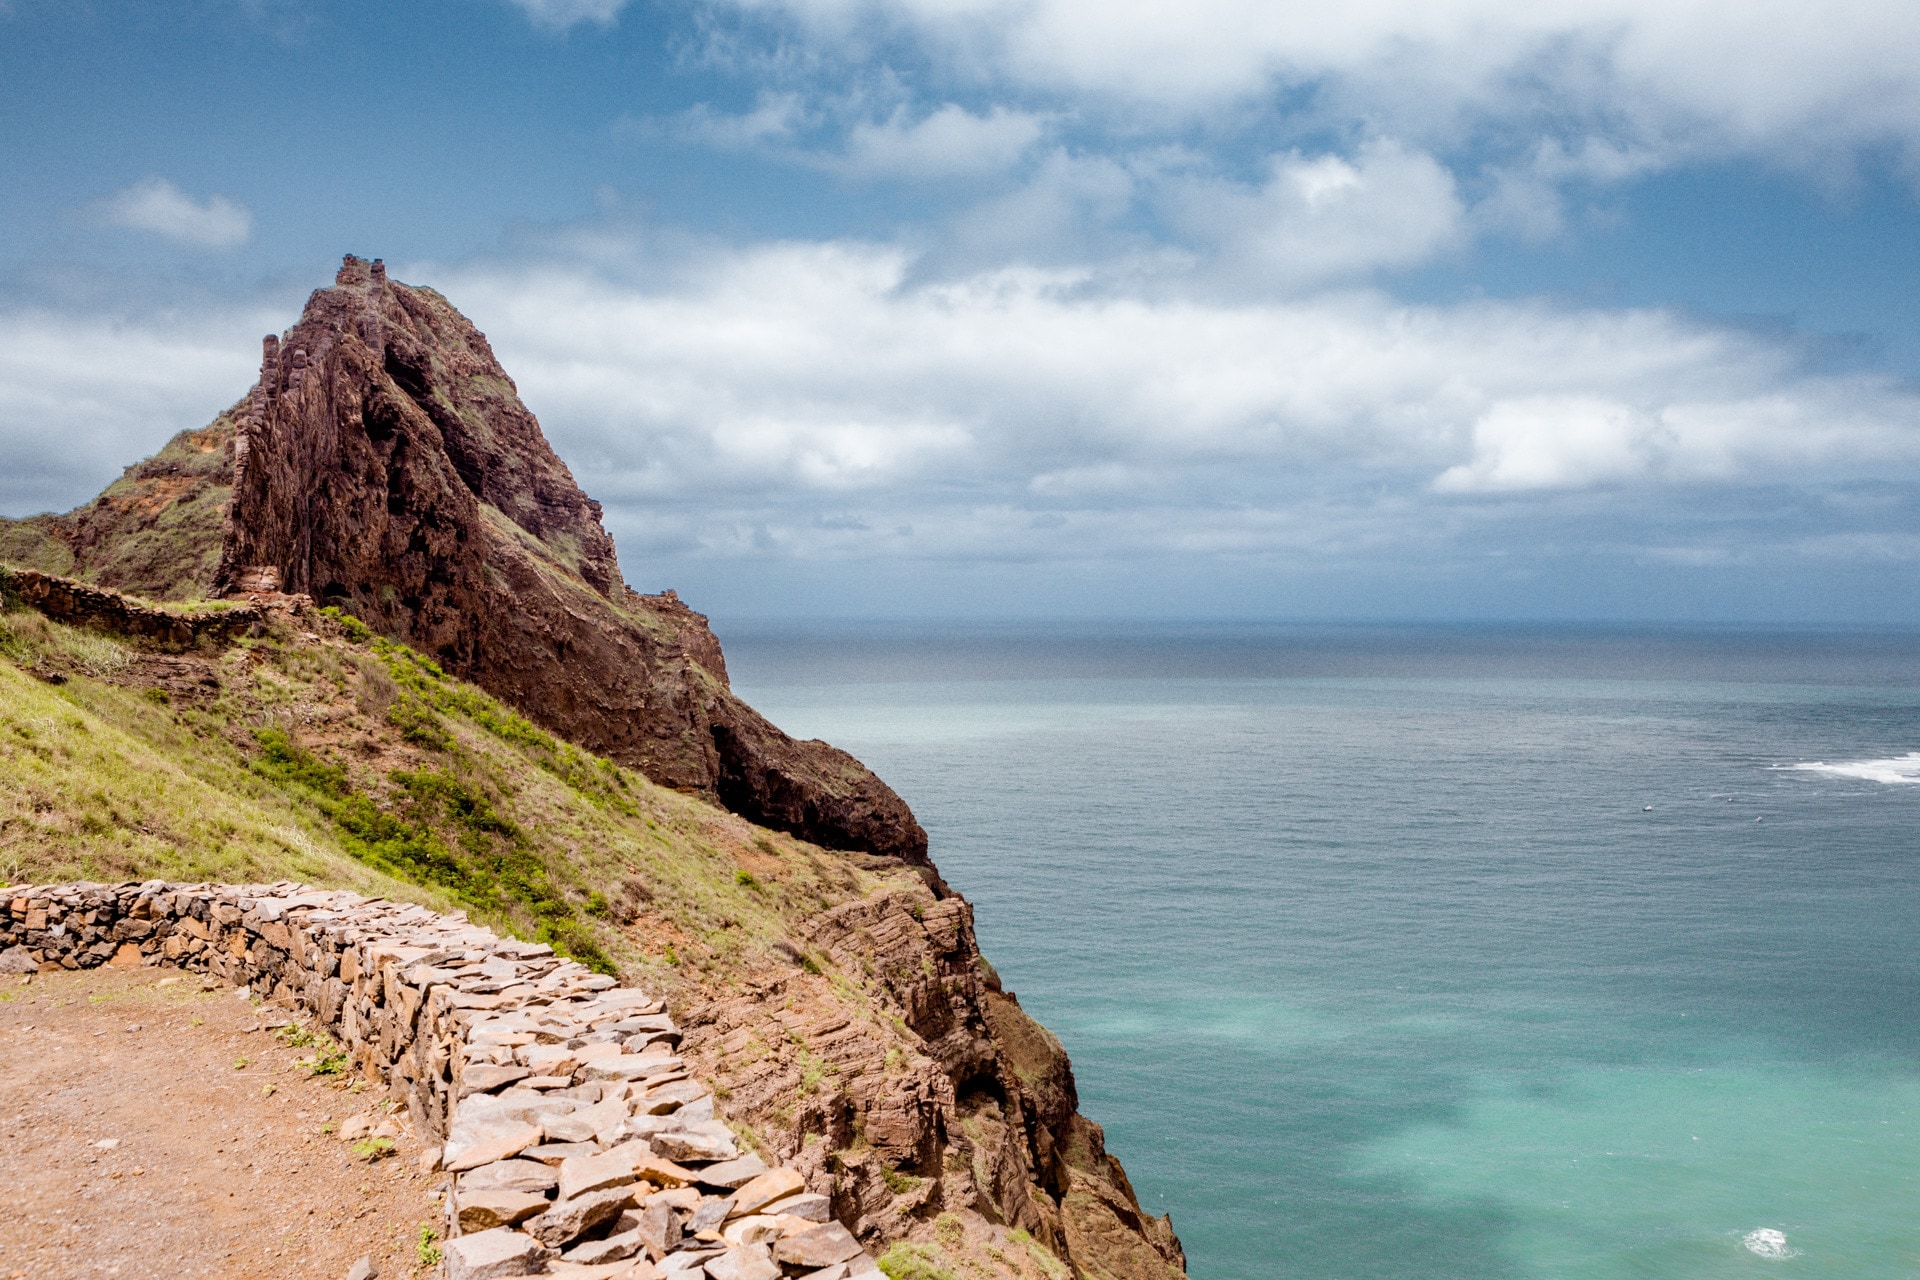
(384, 463)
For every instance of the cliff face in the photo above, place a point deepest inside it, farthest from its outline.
(384, 463)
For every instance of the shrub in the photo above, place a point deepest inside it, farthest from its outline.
(914, 1262)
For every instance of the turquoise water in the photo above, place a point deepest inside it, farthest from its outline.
(1373, 959)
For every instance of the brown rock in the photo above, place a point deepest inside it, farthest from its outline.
(764, 1190)
(486, 1078)
(492, 1255)
(746, 1262)
(582, 1174)
(821, 1247)
(511, 1175)
(568, 1220)
(662, 1173)
(693, 1146)
(486, 1207)
(658, 1228)
(599, 1252)
(509, 1144)
(733, 1174)
(805, 1205)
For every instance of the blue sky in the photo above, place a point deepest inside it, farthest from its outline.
(1242, 308)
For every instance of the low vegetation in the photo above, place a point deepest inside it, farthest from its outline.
(355, 762)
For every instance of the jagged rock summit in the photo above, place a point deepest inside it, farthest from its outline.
(384, 463)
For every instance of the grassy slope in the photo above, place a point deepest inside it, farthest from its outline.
(358, 764)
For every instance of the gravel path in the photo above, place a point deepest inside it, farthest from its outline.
(150, 1127)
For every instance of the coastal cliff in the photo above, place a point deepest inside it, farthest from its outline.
(781, 897)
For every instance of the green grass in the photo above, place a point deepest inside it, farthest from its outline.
(361, 764)
(906, 1261)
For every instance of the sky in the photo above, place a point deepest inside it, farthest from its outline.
(1579, 310)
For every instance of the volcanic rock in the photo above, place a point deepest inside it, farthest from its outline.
(384, 463)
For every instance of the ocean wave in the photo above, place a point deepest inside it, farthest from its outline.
(1895, 770)
(1769, 1243)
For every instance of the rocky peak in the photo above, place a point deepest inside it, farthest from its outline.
(384, 463)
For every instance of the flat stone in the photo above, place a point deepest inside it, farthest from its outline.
(588, 1123)
(364, 1269)
(752, 1229)
(484, 1077)
(511, 1175)
(764, 1190)
(748, 1262)
(593, 1052)
(710, 1214)
(568, 1220)
(838, 1271)
(733, 1174)
(658, 1228)
(807, 1205)
(549, 1059)
(625, 1066)
(821, 1247)
(582, 1174)
(645, 1126)
(684, 1146)
(612, 1249)
(486, 1207)
(554, 1152)
(18, 960)
(685, 1199)
(507, 1145)
(680, 1092)
(662, 1172)
(488, 1255)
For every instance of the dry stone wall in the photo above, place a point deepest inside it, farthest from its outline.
(576, 1142)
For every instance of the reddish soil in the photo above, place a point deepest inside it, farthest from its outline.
(211, 1173)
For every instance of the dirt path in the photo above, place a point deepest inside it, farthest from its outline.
(134, 1143)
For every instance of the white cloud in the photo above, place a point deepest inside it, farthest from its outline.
(83, 396)
(558, 15)
(795, 377)
(1775, 75)
(156, 205)
(1325, 217)
(775, 119)
(949, 142)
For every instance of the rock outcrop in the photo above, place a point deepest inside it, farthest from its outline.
(384, 463)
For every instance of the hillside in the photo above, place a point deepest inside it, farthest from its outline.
(835, 996)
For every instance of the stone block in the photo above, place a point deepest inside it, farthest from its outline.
(492, 1255)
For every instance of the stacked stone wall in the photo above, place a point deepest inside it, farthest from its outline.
(576, 1143)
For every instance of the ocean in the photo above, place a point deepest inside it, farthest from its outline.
(1438, 951)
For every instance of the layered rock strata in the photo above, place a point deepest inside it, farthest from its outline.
(577, 1142)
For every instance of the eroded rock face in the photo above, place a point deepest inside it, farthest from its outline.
(933, 1093)
(385, 464)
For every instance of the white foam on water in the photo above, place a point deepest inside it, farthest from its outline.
(1769, 1243)
(1893, 771)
